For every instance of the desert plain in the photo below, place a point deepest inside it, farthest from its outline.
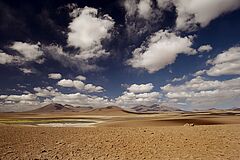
(115, 134)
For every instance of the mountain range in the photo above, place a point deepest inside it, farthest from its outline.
(55, 107)
(152, 109)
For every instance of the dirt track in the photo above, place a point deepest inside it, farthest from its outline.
(174, 142)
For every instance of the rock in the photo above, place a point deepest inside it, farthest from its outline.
(43, 151)
(189, 124)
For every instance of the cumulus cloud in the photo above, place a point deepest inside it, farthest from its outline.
(165, 4)
(145, 8)
(46, 92)
(226, 63)
(22, 102)
(66, 83)
(28, 52)
(17, 98)
(196, 84)
(81, 78)
(199, 92)
(160, 50)
(140, 88)
(80, 85)
(5, 58)
(138, 94)
(205, 48)
(130, 6)
(78, 99)
(130, 99)
(48, 95)
(92, 88)
(54, 76)
(194, 13)
(191, 14)
(87, 30)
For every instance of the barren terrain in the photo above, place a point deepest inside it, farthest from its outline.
(215, 135)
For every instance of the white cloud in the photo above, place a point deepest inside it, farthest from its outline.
(205, 48)
(5, 58)
(46, 92)
(130, 99)
(87, 30)
(91, 88)
(138, 95)
(3, 96)
(28, 52)
(72, 60)
(190, 13)
(165, 4)
(130, 6)
(17, 98)
(199, 73)
(80, 85)
(196, 84)
(81, 78)
(78, 99)
(142, 18)
(226, 63)
(31, 101)
(200, 93)
(145, 8)
(54, 76)
(140, 88)
(26, 70)
(179, 79)
(22, 102)
(66, 83)
(160, 50)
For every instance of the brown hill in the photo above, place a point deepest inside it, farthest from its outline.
(110, 110)
(235, 109)
(53, 107)
(152, 109)
(78, 108)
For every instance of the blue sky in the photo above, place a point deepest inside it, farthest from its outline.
(184, 53)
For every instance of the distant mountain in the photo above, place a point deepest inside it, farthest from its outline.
(53, 107)
(235, 109)
(110, 110)
(212, 109)
(152, 109)
(78, 108)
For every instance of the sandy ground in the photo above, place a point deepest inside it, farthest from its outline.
(126, 137)
(198, 142)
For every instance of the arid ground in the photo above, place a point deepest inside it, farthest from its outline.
(100, 135)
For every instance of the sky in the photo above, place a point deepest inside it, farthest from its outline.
(179, 53)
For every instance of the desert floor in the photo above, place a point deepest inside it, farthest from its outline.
(162, 136)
